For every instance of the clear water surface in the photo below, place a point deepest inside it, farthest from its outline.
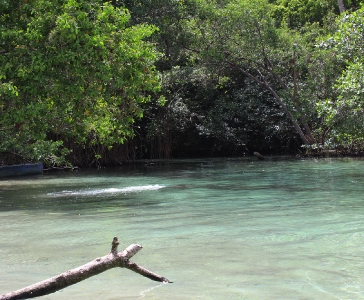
(218, 228)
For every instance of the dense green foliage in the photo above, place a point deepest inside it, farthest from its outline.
(346, 112)
(187, 78)
(74, 69)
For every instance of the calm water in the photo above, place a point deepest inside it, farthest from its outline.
(220, 229)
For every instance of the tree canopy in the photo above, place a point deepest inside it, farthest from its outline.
(74, 69)
(180, 75)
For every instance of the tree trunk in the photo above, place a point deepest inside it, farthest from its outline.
(97, 266)
(266, 85)
(309, 135)
(310, 138)
(341, 6)
(290, 116)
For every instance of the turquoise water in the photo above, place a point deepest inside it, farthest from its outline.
(218, 228)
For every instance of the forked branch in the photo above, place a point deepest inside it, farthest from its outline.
(97, 266)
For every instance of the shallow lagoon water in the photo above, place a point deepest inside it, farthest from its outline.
(218, 228)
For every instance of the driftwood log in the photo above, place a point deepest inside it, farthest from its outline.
(97, 266)
(260, 157)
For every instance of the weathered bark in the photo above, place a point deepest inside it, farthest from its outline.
(341, 6)
(97, 266)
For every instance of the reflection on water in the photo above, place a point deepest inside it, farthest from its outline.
(219, 229)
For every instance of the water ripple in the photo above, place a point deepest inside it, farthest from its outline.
(126, 190)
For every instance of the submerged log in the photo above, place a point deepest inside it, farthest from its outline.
(97, 266)
(260, 157)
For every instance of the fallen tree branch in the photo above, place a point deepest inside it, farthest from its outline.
(260, 157)
(97, 266)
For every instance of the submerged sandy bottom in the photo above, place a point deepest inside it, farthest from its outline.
(219, 229)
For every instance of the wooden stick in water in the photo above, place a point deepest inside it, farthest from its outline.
(97, 266)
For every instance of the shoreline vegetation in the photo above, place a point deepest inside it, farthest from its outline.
(94, 84)
(28, 168)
